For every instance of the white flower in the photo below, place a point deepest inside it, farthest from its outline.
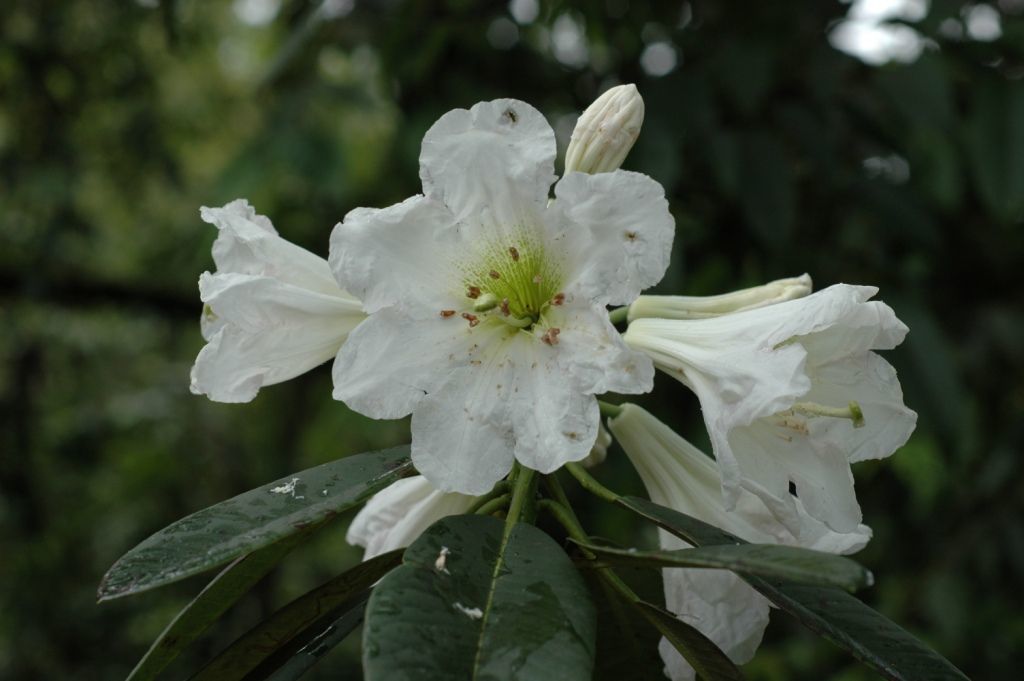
(272, 310)
(394, 517)
(701, 307)
(487, 302)
(606, 131)
(717, 602)
(791, 395)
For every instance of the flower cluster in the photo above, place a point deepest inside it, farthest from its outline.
(481, 308)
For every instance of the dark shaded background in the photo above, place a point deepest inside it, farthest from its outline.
(779, 153)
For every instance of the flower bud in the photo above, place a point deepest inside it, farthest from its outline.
(599, 452)
(606, 131)
(701, 307)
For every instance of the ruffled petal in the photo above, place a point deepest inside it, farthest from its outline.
(720, 605)
(617, 232)
(871, 382)
(491, 165)
(593, 353)
(400, 256)
(394, 517)
(248, 244)
(267, 331)
(391, 362)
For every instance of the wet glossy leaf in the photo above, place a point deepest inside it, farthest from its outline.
(467, 605)
(831, 613)
(766, 560)
(703, 655)
(252, 520)
(344, 593)
(220, 594)
(321, 644)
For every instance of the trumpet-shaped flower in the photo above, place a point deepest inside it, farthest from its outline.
(394, 517)
(272, 310)
(702, 307)
(717, 602)
(487, 301)
(791, 395)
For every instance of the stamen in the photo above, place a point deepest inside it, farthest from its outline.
(447, 313)
(514, 253)
(471, 318)
(494, 274)
(473, 292)
(487, 301)
(558, 299)
(504, 307)
(551, 336)
(852, 411)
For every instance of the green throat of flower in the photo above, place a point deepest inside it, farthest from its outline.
(513, 284)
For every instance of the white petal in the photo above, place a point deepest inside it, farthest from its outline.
(592, 351)
(721, 606)
(394, 517)
(267, 331)
(618, 232)
(391, 362)
(248, 244)
(869, 326)
(462, 437)
(871, 382)
(492, 164)
(400, 256)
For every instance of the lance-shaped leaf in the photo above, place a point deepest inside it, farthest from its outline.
(766, 560)
(833, 614)
(703, 655)
(252, 520)
(220, 594)
(345, 593)
(468, 605)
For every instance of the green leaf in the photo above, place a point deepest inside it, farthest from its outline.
(625, 641)
(767, 560)
(343, 593)
(467, 605)
(252, 520)
(220, 594)
(833, 614)
(311, 653)
(703, 655)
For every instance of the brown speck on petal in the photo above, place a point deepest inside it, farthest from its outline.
(473, 292)
(504, 307)
(558, 299)
(551, 335)
(514, 252)
(537, 279)
(471, 318)
(494, 274)
(447, 313)
(631, 236)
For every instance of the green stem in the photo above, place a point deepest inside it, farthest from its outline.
(565, 517)
(590, 484)
(608, 409)
(490, 505)
(619, 315)
(499, 489)
(522, 508)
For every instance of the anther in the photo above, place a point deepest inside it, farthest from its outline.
(558, 299)
(494, 274)
(473, 292)
(514, 252)
(504, 307)
(551, 336)
(471, 318)
(447, 313)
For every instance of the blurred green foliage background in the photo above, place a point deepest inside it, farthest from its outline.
(780, 154)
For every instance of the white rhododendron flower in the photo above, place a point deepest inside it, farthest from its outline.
(272, 310)
(791, 395)
(487, 301)
(717, 602)
(701, 307)
(397, 515)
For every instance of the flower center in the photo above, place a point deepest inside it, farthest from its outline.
(513, 283)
